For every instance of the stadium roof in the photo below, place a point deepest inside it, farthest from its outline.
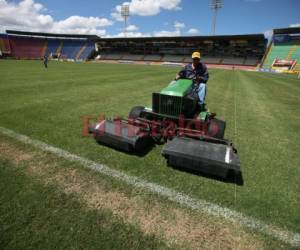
(190, 38)
(294, 30)
(41, 34)
(176, 38)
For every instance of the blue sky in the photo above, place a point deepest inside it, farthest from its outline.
(148, 17)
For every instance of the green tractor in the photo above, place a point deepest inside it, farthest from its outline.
(193, 136)
(178, 102)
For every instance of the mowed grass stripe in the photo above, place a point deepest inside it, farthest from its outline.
(270, 150)
(181, 198)
(97, 88)
(283, 86)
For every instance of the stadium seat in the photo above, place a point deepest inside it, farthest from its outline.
(71, 48)
(111, 56)
(212, 60)
(27, 48)
(132, 57)
(233, 60)
(252, 61)
(215, 50)
(173, 58)
(284, 51)
(53, 45)
(4, 44)
(89, 48)
(152, 58)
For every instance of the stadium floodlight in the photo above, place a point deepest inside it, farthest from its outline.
(125, 15)
(215, 6)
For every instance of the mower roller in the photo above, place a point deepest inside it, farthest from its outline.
(193, 136)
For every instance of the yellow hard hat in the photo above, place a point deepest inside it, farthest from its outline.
(196, 55)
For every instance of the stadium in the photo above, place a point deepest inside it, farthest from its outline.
(249, 52)
(61, 188)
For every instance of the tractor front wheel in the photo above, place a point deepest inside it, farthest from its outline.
(136, 112)
(216, 128)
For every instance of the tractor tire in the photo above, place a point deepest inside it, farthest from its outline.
(216, 128)
(136, 112)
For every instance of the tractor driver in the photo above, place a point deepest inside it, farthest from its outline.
(196, 71)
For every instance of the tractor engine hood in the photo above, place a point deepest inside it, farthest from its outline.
(179, 88)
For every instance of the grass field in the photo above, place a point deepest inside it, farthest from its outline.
(263, 120)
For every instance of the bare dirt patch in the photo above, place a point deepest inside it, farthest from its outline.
(174, 225)
(13, 153)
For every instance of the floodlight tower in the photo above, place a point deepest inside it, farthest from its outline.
(215, 6)
(125, 15)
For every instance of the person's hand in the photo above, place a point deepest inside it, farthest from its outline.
(198, 78)
(177, 77)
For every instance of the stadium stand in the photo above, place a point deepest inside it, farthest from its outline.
(296, 55)
(132, 57)
(71, 48)
(88, 48)
(232, 50)
(4, 44)
(111, 56)
(252, 61)
(33, 45)
(154, 58)
(53, 46)
(233, 60)
(284, 49)
(206, 59)
(27, 48)
(243, 50)
(173, 58)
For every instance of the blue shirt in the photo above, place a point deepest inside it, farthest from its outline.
(190, 73)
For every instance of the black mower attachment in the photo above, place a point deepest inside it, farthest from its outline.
(201, 156)
(122, 136)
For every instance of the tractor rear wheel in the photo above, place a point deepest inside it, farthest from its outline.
(136, 112)
(216, 128)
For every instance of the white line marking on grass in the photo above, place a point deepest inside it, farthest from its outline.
(183, 199)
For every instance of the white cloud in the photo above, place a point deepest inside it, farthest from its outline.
(193, 31)
(132, 32)
(117, 14)
(167, 33)
(146, 7)
(82, 31)
(132, 28)
(82, 25)
(79, 21)
(129, 34)
(295, 25)
(178, 25)
(177, 32)
(27, 15)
